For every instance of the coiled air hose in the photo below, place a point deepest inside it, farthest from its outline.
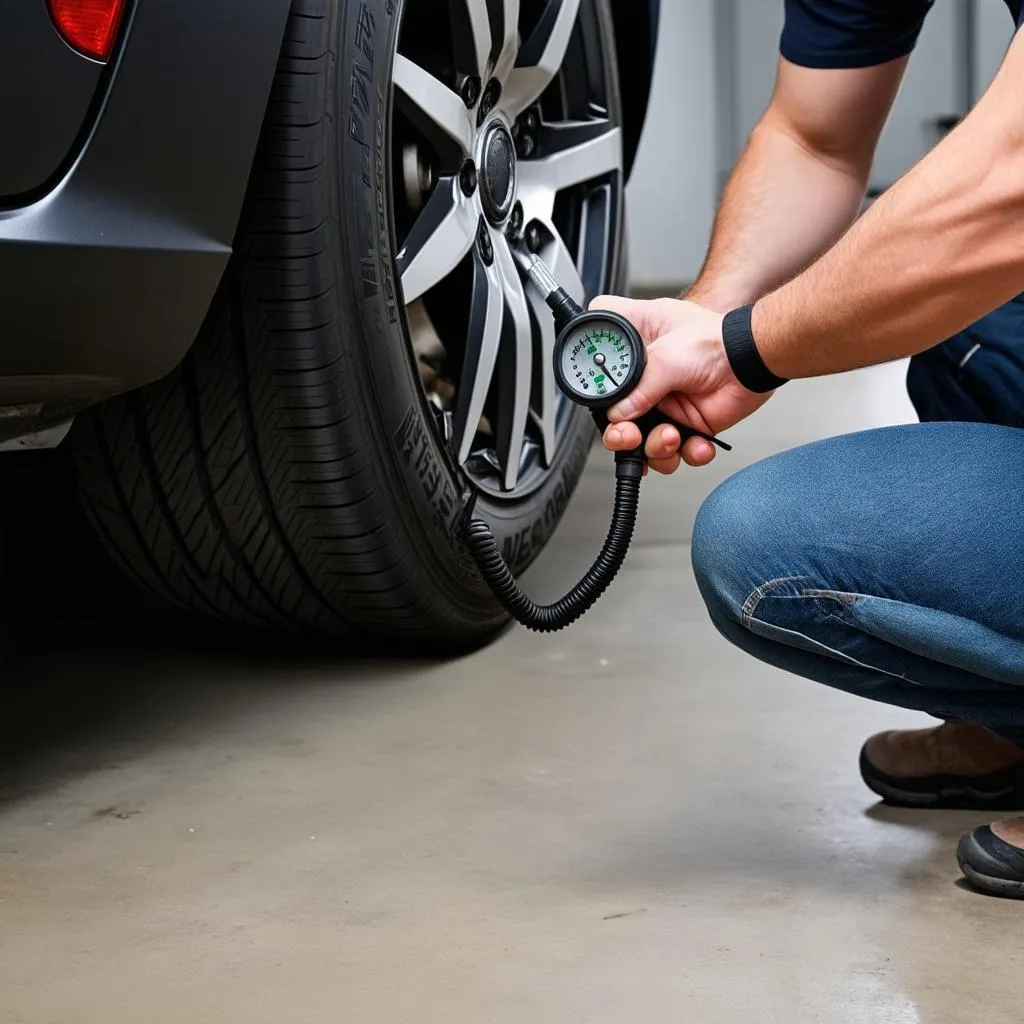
(553, 617)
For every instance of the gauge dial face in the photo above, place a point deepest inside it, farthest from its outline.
(597, 361)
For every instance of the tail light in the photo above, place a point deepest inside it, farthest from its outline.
(90, 26)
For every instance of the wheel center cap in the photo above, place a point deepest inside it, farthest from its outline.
(498, 173)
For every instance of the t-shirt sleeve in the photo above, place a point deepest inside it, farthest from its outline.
(851, 33)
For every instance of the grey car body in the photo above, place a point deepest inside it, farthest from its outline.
(121, 185)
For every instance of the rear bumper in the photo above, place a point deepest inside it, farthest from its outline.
(105, 279)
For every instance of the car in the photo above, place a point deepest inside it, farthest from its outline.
(256, 276)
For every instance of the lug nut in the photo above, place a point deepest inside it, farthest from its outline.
(467, 178)
(533, 238)
(483, 243)
(525, 134)
(471, 91)
(490, 99)
(515, 221)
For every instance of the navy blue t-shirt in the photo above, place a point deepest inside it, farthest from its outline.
(857, 33)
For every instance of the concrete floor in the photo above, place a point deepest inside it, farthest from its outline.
(625, 823)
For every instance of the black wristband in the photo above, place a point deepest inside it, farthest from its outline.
(741, 350)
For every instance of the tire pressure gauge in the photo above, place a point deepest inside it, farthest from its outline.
(599, 358)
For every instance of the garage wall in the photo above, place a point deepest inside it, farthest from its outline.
(993, 30)
(673, 190)
(713, 77)
(934, 86)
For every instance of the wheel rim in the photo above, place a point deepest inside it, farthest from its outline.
(502, 131)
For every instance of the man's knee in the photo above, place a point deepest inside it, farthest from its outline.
(725, 535)
(741, 538)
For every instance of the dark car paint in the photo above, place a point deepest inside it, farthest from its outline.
(44, 101)
(635, 41)
(105, 279)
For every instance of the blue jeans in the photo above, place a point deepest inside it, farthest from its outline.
(889, 564)
(977, 375)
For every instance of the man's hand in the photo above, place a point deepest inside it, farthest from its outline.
(688, 376)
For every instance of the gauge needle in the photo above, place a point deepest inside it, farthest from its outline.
(602, 364)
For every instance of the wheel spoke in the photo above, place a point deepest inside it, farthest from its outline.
(540, 56)
(562, 265)
(440, 238)
(486, 313)
(562, 136)
(506, 37)
(516, 379)
(588, 150)
(471, 30)
(431, 105)
(599, 212)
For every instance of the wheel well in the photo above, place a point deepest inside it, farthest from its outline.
(636, 32)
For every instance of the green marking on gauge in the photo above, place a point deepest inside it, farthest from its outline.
(599, 379)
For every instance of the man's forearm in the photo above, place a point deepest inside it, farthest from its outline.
(943, 247)
(783, 207)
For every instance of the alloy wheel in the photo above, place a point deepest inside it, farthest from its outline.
(504, 134)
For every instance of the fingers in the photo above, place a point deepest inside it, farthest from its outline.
(658, 380)
(662, 443)
(665, 466)
(662, 449)
(651, 317)
(668, 365)
(664, 452)
(623, 437)
(697, 452)
(634, 310)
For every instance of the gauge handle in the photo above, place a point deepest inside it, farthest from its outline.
(656, 418)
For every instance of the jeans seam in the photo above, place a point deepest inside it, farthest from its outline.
(843, 598)
(843, 603)
(838, 654)
(759, 592)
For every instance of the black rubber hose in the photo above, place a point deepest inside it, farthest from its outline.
(553, 617)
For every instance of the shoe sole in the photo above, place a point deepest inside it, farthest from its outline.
(968, 851)
(942, 792)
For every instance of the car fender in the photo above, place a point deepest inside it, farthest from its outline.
(105, 279)
(636, 36)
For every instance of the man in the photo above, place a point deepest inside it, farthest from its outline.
(889, 563)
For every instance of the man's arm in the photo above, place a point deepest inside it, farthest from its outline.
(800, 182)
(942, 247)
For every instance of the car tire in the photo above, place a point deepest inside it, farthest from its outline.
(292, 473)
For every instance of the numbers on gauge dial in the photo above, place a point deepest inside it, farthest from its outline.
(596, 360)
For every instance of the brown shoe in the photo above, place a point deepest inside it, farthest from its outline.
(953, 765)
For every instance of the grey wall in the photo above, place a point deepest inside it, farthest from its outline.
(992, 33)
(932, 89)
(673, 190)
